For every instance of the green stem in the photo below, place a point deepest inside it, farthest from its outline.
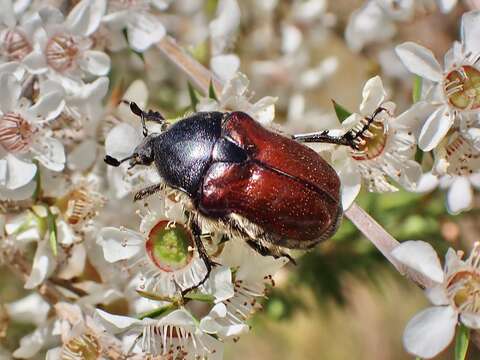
(158, 312)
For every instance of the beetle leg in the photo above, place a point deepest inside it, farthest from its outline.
(209, 264)
(352, 138)
(148, 191)
(265, 251)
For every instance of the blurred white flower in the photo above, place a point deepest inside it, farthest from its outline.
(23, 135)
(176, 334)
(386, 148)
(82, 337)
(16, 31)
(376, 20)
(235, 97)
(222, 34)
(453, 292)
(453, 91)
(62, 47)
(142, 26)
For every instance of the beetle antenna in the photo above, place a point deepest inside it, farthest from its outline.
(115, 162)
(151, 115)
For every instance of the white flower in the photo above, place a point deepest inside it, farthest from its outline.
(222, 33)
(163, 253)
(453, 292)
(82, 337)
(176, 334)
(386, 148)
(252, 273)
(143, 28)
(234, 97)
(62, 47)
(376, 20)
(23, 135)
(16, 36)
(453, 92)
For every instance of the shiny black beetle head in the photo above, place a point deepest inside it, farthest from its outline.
(143, 153)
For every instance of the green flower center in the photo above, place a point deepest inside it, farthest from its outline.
(462, 88)
(170, 246)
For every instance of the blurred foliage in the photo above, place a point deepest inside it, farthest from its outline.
(407, 216)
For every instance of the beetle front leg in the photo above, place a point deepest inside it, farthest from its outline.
(148, 191)
(353, 138)
(209, 264)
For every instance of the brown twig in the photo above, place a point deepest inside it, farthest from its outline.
(201, 78)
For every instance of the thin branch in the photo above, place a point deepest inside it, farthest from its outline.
(201, 78)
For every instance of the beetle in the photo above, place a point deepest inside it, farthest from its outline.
(249, 181)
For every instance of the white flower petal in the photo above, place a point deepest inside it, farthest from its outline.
(411, 173)
(429, 332)
(428, 182)
(18, 194)
(83, 155)
(43, 265)
(30, 309)
(470, 319)
(351, 181)
(367, 25)
(112, 240)
(220, 283)
(75, 264)
(35, 62)
(50, 153)
(32, 343)
(115, 323)
(459, 196)
(122, 140)
(373, 95)
(225, 66)
(224, 26)
(19, 172)
(420, 61)
(446, 5)
(470, 31)
(95, 62)
(54, 354)
(48, 106)
(144, 31)
(421, 257)
(78, 18)
(437, 295)
(435, 128)
(10, 89)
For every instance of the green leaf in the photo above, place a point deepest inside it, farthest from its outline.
(417, 88)
(52, 228)
(156, 297)
(200, 297)
(158, 312)
(211, 91)
(38, 184)
(340, 111)
(193, 96)
(461, 342)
